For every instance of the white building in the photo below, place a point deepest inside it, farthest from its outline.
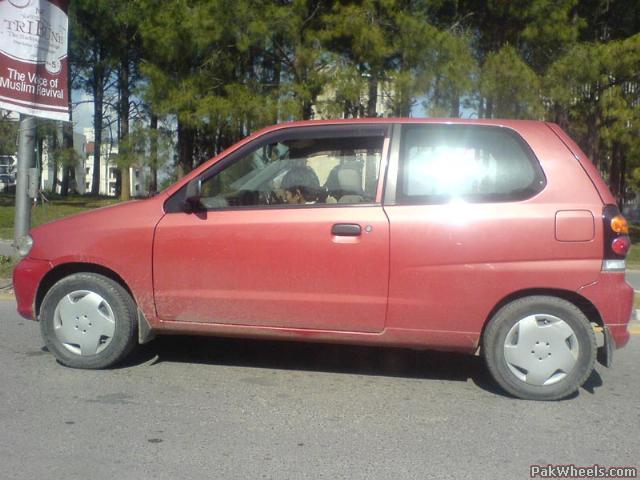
(7, 171)
(108, 176)
(328, 94)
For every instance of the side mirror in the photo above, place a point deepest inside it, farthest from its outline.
(193, 194)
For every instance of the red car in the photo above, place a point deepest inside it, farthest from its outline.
(458, 235)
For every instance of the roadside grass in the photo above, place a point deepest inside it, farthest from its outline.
(57, 207)
(633, 258)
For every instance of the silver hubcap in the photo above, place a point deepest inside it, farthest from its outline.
(84, 322)
(541, 349)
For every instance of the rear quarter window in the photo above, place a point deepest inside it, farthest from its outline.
(472, 163)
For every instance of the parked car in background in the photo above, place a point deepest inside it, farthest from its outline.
(457, 235)
(7, 183)
(7, 173)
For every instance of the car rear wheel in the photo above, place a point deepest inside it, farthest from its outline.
(539, 348)
(88, 321)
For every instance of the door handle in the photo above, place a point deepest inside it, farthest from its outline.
(346, 229)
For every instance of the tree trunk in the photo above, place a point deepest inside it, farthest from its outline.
(593, 139)
(405, 105)
(488, 113)
(623, 177)
(98, 91)
(372, 99)
(153, 154)
(118, 185)
(617, 174)
(561, 116)
(185, 149)
(455, 105)
(64, 183)
(614, 172)
(67, 144)
(277, 72)
(307, 110)
(123, 86)
(58, 144)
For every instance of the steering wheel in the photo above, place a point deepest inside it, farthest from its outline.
(269, 197)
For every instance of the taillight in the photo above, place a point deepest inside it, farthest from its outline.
(621, 245)
(619, 225)
(616, 239)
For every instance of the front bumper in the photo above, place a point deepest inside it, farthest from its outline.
(27, 277)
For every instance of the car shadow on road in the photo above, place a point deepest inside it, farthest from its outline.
(346, 359)
(332, 358)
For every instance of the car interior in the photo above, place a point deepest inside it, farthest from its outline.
(347, 170)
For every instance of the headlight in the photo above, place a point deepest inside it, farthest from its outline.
(23, 245)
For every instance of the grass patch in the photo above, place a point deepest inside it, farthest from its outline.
(633, 257)
(57, 207)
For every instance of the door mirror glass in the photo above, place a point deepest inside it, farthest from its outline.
(193, 195)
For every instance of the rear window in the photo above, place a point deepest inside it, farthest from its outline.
(472, 163)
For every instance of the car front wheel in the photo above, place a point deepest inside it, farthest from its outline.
(88, 321)
(539, 348)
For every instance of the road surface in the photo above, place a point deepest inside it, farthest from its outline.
(237, 409)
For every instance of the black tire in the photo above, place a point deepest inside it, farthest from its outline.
(495, 335)
(122, 306)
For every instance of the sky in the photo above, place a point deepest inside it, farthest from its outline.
(82, 112)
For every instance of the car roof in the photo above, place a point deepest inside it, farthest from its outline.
(386, 120)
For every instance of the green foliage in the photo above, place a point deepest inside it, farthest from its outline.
(393, 45)
(217, 70)
(597, 87)
(134, 151)
(456, 73)
(511, 84)
(66, 156)
(8, 136)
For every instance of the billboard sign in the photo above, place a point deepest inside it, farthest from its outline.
(33, 57)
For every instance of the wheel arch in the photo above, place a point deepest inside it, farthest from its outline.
(64, 270)
(585, 305)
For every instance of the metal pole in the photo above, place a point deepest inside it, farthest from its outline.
(26, 160)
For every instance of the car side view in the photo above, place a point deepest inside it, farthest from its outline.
(490, 236)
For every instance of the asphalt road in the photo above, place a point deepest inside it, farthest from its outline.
(191, 408)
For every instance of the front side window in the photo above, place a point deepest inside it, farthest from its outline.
(299, 171)
(473, 163)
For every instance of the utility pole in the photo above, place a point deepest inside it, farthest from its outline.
(26, 161)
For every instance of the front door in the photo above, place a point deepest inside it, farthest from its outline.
(291, 234)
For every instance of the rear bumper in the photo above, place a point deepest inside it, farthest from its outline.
(613, 298)
(26, 278)
(620, 334)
